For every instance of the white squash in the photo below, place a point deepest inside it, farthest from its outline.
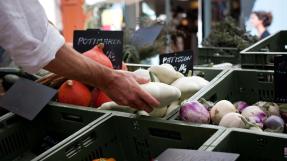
(164, 93)
(165, 73)
(146, 74)
(114, 106)
(189, 85)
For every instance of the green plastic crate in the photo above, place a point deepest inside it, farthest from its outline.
(261, 54)
(210, 74)
(238, 84)
(133, 139)
(217, 55)
(252, 146)
(242, 84)
(22, 140)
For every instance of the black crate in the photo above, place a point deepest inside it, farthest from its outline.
(133, 139)
(261, 54)
(22, 140)
(217, 55)
(252, 146)
(238, 84)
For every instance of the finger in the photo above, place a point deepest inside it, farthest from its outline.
(140, 80)
(142, 105)
(146, 107)
(149, 99)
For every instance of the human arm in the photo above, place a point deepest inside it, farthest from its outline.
(33, 43)
(122, 87)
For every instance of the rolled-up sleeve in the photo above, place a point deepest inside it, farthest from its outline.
(26, 34)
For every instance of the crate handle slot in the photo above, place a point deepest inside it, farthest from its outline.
(72, 117)
(168, 134)
(261, 142)
(79, 145)
(72, 150)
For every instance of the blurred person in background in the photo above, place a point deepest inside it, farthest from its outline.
(261, 20)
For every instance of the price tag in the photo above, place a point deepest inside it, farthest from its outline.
(181, 61)
(280, 79)
(85, 40)
(195, 155)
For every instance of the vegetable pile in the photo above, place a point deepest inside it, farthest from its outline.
(166, 85)
(261, 116)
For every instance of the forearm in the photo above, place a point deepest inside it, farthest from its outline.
(71, 64)
(121, 86)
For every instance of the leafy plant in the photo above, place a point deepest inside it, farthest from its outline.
(228, 34)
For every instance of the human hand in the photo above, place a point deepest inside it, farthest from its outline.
(123, 88)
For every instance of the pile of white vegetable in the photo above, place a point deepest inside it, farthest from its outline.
(166, 85)
(267, 116)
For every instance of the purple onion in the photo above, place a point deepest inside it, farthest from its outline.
(262, 116)
(256, 120)
(194, 111)
(274, 124)
(240, 105)
(254, 111)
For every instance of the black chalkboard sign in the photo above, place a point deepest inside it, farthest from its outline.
(146, 36)
(280, 79)
(195, 155)
(181, 61)
(85, 40)
(30, 97)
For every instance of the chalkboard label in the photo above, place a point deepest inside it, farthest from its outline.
(146, 36)
(181, 61)
(85, 40)
(27, 98)
(280, 79)
(195, 155)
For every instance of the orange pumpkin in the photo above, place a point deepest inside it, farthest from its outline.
(97, 54)
(105, 159)
(99, 97)
(74, 92)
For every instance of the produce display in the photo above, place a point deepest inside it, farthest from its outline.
(77, 93)
(261, 116)
(166, 85)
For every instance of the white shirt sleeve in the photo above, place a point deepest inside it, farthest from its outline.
(26, 34)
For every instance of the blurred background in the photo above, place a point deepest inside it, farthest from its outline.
(187, 24)
(194, 16)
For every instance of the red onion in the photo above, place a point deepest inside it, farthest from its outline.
(274, 124)
(254, 111)
(240, 105)
(194, 111)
